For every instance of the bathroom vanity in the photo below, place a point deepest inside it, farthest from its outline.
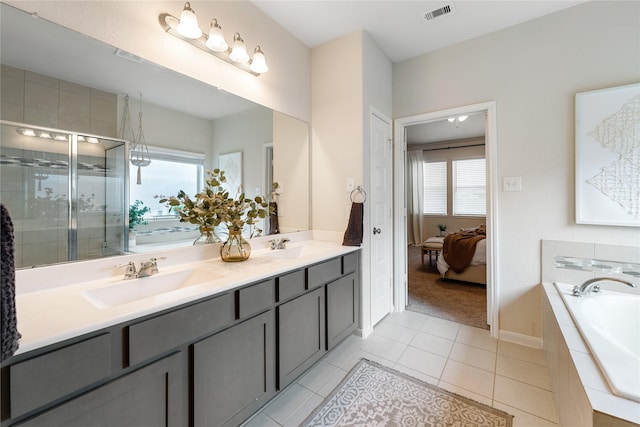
(212, 356)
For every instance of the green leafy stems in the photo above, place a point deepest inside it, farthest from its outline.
(214, 206)
(136, 214)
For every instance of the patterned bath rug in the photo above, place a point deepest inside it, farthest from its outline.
(374, 395)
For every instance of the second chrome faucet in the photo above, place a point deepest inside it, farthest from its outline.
(147, 268)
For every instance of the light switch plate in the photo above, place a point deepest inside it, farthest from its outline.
(512, 183)
(351, 184)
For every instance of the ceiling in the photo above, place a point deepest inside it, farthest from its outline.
(397, 27)
(399, 30)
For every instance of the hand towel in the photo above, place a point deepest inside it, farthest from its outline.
(10, 335)
(354, 232)
(274, 228)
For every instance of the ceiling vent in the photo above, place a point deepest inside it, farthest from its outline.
(447, 9)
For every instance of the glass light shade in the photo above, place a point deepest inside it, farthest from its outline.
(26, 132)
(259, 63)
(45, 135)
(462, 118)
(188, 26)
(451, 119)
(239, 50)
(216, 41)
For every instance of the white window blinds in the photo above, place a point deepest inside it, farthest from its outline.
(469, 187)
(435, 188)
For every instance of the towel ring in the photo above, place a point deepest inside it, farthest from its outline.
(360, 190)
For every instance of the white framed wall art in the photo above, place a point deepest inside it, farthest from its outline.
(231, 164)
(608, 156)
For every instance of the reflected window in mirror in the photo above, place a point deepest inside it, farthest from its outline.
(169, 172)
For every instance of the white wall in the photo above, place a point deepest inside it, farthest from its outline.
(133, 26)
(532, 71)
(291, 170)
(172, 129)
(231, 134)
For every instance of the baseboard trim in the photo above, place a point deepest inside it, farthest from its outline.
(516, 338)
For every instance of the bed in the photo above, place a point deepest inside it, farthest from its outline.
(476, 270)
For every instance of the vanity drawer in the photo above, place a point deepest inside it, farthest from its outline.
(154, 336)
(350, 263)
(290, 285)
(45, 378)
(255, 298)
(322, 273)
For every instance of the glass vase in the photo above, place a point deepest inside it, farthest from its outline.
(206, 237)
(236, 248)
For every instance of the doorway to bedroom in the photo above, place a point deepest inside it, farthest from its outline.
(447, 195)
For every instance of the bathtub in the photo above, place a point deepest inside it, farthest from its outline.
(610, 325)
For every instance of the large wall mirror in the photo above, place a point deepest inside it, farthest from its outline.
(57, 83)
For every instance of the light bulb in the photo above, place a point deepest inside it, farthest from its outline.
(188, 26)
(216, 41)
(451, 119)
(259, 63)
(462, 118)
(239, 50)
(26, 132)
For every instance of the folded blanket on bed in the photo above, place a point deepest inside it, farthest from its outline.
(459, 247)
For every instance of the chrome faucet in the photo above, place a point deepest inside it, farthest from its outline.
(149, 268)
(130, 272)
(591, 285)
(278, 243)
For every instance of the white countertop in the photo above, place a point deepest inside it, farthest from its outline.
(57, 310)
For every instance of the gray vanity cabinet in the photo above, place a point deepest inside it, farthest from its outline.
(342, 309)
(234, 372)
(301, 335)
(150, 396)
(211, 362)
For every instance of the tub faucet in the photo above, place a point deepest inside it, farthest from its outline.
(591, 285)
(278, 243)
(149, 268)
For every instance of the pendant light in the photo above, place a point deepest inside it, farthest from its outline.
(140, 151)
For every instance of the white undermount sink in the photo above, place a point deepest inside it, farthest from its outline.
(291, 252)
(125, 291)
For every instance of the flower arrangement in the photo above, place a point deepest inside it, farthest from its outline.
(214, 206)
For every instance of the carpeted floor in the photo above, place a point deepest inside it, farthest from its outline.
(374, 395)
(460, 302)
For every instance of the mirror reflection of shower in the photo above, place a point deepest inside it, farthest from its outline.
(66, 193)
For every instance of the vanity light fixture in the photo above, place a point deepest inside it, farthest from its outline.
(187, 29)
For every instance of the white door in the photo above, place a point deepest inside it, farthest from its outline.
(381, 196)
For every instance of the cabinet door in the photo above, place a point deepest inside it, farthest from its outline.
(149, 396)
(342, 309)
(234, 372)
(301, 335)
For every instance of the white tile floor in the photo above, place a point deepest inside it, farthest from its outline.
(456, 357)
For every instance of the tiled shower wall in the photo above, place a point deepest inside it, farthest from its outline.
(41, 100)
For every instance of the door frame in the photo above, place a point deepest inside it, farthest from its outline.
(400, 206)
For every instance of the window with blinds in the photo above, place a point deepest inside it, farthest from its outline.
(435, 188)
(169, 172)
(469, 187)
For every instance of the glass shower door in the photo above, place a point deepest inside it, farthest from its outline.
(66, 193)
